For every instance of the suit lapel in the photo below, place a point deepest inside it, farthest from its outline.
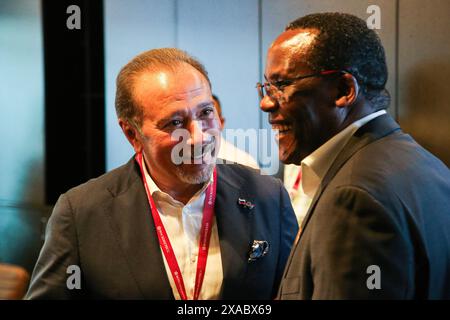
(130, 219)
(132, 223)
(234, 227)
(370, 132)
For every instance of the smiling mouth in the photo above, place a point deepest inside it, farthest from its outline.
(206, 151)
(200, 155)
(282, 128)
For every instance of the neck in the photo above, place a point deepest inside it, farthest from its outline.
(182, 192)
(357, 111)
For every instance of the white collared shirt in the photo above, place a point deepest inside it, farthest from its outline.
(315, 166)
(182, 224)
(300, 202)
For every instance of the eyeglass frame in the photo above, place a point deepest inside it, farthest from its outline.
(261, 87)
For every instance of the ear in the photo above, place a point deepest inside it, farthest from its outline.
(222, 123)
(348, 91)
(132, 134)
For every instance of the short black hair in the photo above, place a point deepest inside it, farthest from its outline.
(345, 42)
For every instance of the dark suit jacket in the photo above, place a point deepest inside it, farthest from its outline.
(385, 201)
(105, 227)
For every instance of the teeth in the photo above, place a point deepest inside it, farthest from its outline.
(281, 127)
(206, 151)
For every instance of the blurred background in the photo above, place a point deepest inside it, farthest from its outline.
(57, 85)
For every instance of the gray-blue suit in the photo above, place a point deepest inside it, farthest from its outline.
(105, 227)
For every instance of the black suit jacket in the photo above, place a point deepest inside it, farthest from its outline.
(385, 201)
(105, 227)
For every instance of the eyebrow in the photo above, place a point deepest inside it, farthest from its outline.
(203, 105)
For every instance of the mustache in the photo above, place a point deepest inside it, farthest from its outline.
(199, 150)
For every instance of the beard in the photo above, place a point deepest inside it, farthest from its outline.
(199, 177)
(209, 159)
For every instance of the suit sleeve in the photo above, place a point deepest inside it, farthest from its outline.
(359, 250)
(60, 251)
(288, 232)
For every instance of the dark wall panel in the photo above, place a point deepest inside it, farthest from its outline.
(74, 95)
(424, 73)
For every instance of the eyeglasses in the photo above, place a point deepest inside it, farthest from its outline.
(275, 89)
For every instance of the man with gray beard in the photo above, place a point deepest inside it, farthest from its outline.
(169, 224)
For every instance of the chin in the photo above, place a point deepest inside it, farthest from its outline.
(195, 174)
(290, 157)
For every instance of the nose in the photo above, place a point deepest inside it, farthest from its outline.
(196, 133)
(268, 104)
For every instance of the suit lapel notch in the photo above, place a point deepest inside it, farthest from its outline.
(368, 133)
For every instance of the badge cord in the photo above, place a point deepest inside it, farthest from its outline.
(295, 188)
(205, 235)
(297, 180)
(293, 191)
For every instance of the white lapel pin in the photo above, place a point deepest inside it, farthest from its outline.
(246, 204)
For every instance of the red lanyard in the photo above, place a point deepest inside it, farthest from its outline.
(297, 181)
(205, 235)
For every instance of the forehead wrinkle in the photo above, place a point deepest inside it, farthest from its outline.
(164, 96)
(189, 94)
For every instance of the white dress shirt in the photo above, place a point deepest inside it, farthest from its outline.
(182, 224)
(316, 165)
(300, 201)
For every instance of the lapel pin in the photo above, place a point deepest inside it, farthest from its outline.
(246, 204)
(259, 249)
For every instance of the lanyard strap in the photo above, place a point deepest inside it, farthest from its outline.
(297, 181)
(205, 235)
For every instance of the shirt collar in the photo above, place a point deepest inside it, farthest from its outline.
(316, 165)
